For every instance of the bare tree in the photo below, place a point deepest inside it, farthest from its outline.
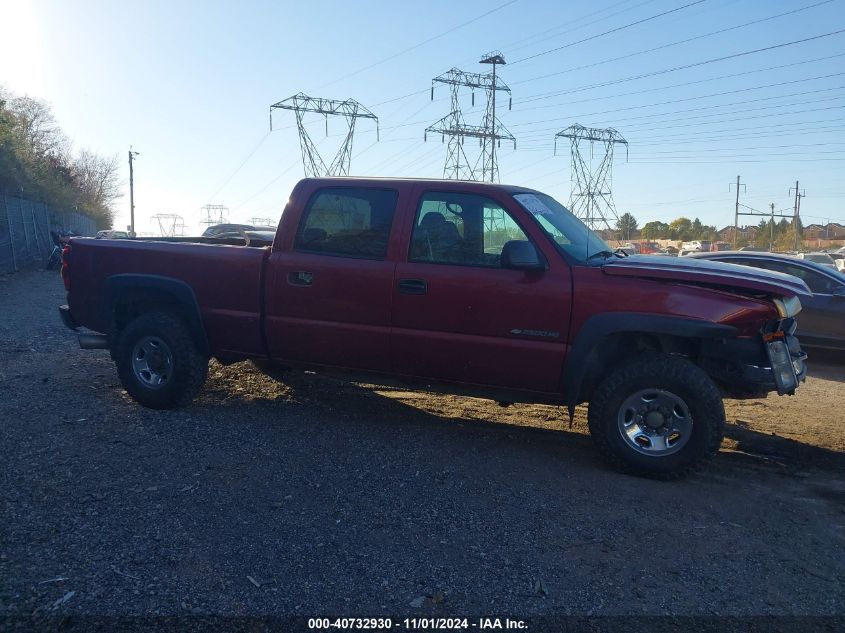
(37, 125)
(97, 178)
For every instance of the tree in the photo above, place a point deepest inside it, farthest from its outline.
(626, 225)
(680, 229)
(655, 230)
(696, 229)
(37, 161)
(98, 181)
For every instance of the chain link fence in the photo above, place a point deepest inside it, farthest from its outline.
(25, 231)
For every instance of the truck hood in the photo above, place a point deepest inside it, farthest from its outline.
(708, 273)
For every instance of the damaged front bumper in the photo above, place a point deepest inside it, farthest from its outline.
(751, 368)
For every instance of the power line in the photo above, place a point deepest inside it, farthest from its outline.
(686, 66)
(682, 84)
(762, 147)
(533, 40)
(615, 30)
(686, 120)
(419, 44)
(536, 38)
(694, 98)
(240, 166)
(687, 110)
(664, 46)
(265, 187)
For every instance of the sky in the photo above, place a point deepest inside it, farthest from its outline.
(189, 85)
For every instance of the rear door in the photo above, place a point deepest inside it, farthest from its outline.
(330, 283)
(458, 315)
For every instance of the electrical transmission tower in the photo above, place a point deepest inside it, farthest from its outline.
(591, 198)
(261, 222)
(489, 134)
(169, 224)
(350, 109)
(214, 214)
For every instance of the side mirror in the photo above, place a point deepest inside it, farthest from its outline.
(521, 255)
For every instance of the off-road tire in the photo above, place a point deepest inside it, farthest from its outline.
(270, 369)
(190, 367)
(659, 371)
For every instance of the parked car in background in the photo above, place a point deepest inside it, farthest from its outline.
(112, 235)
(820, 258)
(251, 235)
(696, 246)
(716, 247)
(649, 248)
(822, 321)
(837, 254)
(235, 230)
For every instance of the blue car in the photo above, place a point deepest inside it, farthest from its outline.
(821, 323)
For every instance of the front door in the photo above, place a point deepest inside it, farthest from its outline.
(329, 292)
(459, 316)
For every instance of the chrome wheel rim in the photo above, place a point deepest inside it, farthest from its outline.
(655, 422)
(152, 362)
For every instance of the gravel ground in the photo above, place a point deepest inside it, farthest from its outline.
(319, 497)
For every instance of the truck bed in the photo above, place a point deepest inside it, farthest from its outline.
(225, 279)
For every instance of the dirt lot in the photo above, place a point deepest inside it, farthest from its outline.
(319, 497)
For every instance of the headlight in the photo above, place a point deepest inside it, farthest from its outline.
(782, 368)
(787, 307)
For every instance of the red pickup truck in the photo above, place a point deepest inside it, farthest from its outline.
(479, 289)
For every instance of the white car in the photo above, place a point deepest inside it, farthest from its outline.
(819, 258)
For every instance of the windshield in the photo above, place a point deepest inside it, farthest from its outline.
(568, 232)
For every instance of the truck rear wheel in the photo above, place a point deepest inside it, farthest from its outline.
(158, 362)
(658, 416)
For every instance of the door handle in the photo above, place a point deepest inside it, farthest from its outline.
(300, 278)
(413, 286)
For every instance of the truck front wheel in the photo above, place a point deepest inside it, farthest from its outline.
(658, 416)
(158, 362)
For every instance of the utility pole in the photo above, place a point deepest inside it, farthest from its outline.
(796, 218)
(736, 212)
(132, 156)
(772, 228)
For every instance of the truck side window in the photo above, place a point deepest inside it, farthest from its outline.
(457, 228)
(347, 222)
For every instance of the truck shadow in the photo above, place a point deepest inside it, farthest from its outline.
(783, 451)
(340, 402)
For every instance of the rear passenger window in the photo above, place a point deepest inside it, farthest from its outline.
(347, 222)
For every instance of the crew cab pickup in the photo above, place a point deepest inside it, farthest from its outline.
(480, 289)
